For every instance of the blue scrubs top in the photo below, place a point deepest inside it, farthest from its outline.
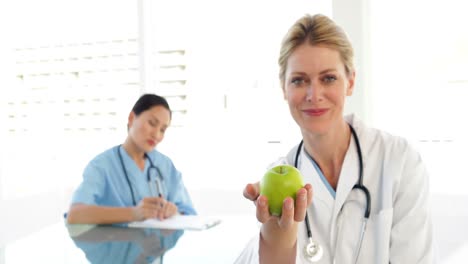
(104, 182)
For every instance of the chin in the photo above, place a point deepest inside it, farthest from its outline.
(150, 148)
(147, 148)
(316, 132)
(317, 128)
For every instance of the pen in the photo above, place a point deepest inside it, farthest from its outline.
(159, 188)
(160, 192)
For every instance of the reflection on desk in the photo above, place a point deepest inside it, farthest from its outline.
(109, 244)
(57, 243)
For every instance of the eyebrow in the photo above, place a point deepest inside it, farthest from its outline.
(328, 70)
(158, 121)
(320, 73)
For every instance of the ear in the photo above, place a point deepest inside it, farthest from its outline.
(131, 118)
(285, 96)
(350, 87)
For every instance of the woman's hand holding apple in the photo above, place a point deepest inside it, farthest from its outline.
(280, 231)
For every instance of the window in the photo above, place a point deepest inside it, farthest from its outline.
(69, 74)
(73, 72)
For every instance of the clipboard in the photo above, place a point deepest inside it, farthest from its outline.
(179, 222)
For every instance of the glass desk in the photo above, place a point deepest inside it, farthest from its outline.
(59, 243)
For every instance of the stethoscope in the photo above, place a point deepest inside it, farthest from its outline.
(313, 251)
(155, 175)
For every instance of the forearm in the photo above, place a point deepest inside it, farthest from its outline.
(277, 245)
(93, 214)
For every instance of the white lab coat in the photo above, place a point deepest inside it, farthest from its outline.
(399, 229)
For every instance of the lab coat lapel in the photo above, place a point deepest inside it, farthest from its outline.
(310, 175)
(321, 210)
(349, 176)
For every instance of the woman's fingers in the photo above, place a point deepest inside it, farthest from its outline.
(251, 191)
(156, 207)
(295, 210)
(166, 209)
(303, 200)
(287, 215)
(153, 206)
(152, 202)
(301, 205)
(310, 193)
(169, 210)
(263, 213)
(292, 210)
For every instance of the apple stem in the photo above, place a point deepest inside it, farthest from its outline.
(281, 170)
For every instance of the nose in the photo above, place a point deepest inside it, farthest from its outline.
(158, 135)
(314, 93)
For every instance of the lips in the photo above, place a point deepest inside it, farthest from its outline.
(315, 111)
(151, 142)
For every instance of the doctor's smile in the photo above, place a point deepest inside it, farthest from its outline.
(315, 112)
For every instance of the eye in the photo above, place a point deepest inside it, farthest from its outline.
(152, 123)
(297, 81)
(329, 78)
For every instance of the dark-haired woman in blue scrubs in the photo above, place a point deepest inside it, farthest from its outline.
(133, 181)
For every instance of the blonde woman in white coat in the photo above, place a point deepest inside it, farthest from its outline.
(317, 74)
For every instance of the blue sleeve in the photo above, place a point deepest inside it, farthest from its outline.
(178, 194)
(92, 187)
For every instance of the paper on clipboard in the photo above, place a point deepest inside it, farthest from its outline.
(189, 222)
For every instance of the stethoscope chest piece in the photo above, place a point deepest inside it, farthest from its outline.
(313, 252)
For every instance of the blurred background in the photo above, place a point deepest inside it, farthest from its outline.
(71, 71)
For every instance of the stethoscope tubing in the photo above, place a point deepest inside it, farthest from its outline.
(159, 184)
(358, 186)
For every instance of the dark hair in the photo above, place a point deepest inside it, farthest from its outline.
(147, 101)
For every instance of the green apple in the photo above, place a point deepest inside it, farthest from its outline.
(278, 183)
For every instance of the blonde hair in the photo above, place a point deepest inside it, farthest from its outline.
(315, 30)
